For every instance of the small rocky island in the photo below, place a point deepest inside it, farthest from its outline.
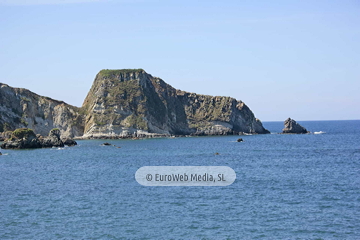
(26, 138)
(291, 126)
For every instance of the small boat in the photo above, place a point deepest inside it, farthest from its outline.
(320, 132)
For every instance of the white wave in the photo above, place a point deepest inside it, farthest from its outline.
(320, 132)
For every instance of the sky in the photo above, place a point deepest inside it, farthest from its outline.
(298, 59)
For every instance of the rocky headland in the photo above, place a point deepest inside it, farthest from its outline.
(128, 103)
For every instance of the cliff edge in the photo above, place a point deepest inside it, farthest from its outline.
(127, 103)
(131, 102)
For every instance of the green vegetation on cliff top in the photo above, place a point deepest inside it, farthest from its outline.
(111, 72)
(22, 132)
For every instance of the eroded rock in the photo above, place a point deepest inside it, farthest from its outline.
(291, 126)
(26, 138)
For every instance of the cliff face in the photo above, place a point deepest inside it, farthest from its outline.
(127, 103)
(134, 103)
(21, 108)
(211, 115)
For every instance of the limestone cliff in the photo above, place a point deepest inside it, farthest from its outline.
(127, 103)
(131, 102)
(209, 115)
(21, 108)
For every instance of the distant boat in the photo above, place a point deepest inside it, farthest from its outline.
(321, 132)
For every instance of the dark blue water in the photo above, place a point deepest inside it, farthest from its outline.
(287, 187)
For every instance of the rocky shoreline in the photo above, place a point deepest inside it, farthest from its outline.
(26, 138)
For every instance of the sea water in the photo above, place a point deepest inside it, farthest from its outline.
(287, 187)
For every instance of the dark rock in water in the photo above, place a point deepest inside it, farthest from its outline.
(240, 140)
(0, 153)
(291, 126)
(106, 144)
(70, 142)
(22, 138)
(53, 140)
(26, 138)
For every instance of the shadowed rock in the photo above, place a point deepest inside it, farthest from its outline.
(26, 138)
(70, 142)
(291, 126)
(53, 140)
(22, 138)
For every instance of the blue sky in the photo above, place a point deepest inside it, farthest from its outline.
(298, 59)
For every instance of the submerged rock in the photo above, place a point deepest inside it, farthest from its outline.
(240, 140)
(291, 126)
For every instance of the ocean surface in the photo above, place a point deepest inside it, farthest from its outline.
(286, 187)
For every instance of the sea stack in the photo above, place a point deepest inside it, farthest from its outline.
(291, 126)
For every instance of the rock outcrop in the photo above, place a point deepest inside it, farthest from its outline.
(5, 135)
(21, 108)
(26, 138)
(53, 140)
(69, 142)
(214, 115)
(128, 103)
(132, 103)
(291, 126)
(22, 138)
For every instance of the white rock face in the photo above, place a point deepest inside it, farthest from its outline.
(127, 103)
(21, 108)
(123, 102)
